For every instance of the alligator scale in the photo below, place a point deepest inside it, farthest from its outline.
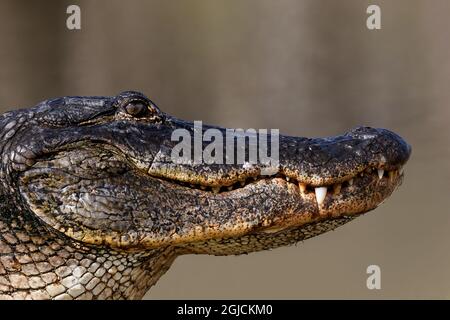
(91, 207)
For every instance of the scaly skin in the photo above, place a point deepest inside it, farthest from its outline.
(92, 207)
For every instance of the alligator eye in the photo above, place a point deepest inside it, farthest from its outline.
(136, 108)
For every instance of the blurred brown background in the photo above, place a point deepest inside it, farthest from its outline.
(309, 68)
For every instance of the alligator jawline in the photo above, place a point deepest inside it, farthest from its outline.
(304, 188)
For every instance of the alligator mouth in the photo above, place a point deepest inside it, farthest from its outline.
(358, 190)
(381, 177)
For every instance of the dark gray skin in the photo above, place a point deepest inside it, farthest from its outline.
(93, 208)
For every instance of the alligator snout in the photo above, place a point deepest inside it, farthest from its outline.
(395, 150)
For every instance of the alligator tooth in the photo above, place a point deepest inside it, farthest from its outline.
(242, 182)
(350, 182)
(255, 178)
(287, 179)
(337, 188)
(216, 189)
(230, 188)
(380, 173)
(391, 175)
(203, 187)
(321, 192)
(302, 187)
(273, 229)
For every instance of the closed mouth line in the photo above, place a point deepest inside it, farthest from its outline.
(304, 188)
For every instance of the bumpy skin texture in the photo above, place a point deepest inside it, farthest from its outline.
(93, 207)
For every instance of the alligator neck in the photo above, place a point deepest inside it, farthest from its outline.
(37, 263)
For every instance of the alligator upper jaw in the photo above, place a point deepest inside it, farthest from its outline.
(312, 162)
(325, 167)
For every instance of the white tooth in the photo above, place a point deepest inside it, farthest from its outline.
(321, 192)
(350, 182)
(337, 188)
(230, 188)
(391, 175)
(273, 229)
(242, 182)
(287, 179)
(216, 189)
(380, 173)
(302, 187)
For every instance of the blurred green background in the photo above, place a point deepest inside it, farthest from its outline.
(309, 68)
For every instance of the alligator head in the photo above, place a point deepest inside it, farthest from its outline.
(92, 206)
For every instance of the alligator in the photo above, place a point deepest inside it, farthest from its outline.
(92, 207)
